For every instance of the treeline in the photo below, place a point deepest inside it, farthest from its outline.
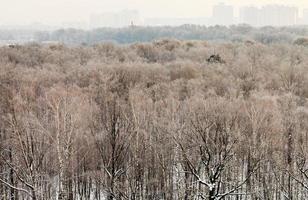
(236, 33)
(163, 120)
(128, 35)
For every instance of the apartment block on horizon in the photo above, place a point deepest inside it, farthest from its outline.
(269, 15)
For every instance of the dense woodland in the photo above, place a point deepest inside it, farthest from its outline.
(133, 34)
(167, 120)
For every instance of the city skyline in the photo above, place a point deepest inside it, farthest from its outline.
(221, 14)
(55, 12)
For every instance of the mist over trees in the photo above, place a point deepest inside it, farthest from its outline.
(129, 35)
(168, 119)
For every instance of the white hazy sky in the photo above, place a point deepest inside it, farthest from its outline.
(58, 11)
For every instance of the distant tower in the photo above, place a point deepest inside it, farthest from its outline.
(132, 25)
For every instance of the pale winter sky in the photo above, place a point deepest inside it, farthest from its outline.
(57, 11)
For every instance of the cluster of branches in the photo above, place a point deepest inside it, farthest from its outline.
(154, 121)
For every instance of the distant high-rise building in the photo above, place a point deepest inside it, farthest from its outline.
(278, 15)
(120, 19)
(270, 15)
(223, 14)
(250, 15)
(305, 16)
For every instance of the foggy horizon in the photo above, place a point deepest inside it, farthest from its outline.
(78, 13)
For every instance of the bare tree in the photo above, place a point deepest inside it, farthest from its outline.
(112, 130)
(213, 129)
(65, 121)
